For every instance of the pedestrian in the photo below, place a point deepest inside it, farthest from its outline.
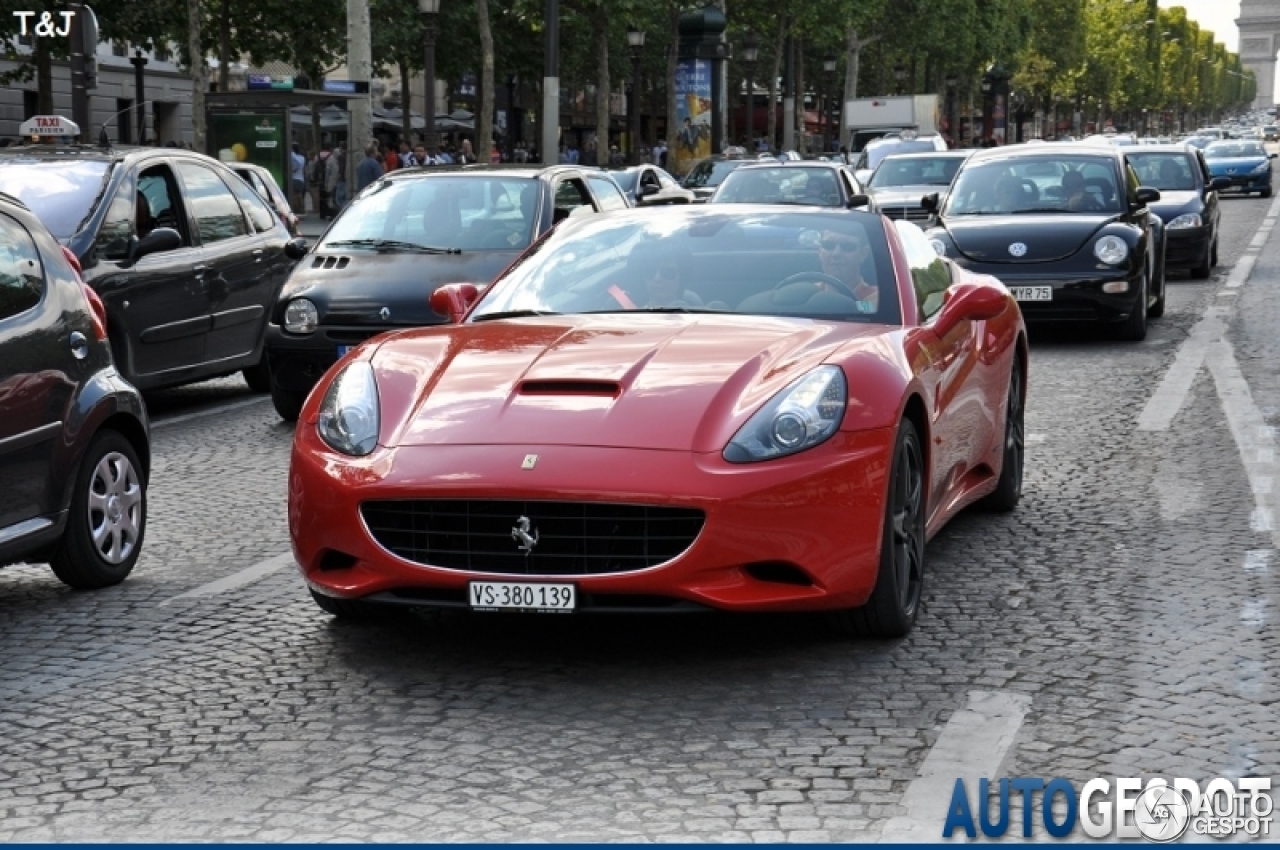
(495, 155)
(326, 169)
(660, 154)
(390, 161)
(615, 156)
(315, 178)
(405, 155)
(420, 155)
(466, 155)
(297, 178)
(340, 159)
(369, 169)
(589, 154)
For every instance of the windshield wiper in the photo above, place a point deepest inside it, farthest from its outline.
(391, 245)
(514, 314)
(656, 310)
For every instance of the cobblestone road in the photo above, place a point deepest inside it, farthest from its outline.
(1128, 608)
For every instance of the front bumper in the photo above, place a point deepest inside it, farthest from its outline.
(1077, 297)
(816, 517)
(1247, 182)
(1187, 247)
(297, 361)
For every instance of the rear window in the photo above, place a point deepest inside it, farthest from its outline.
(62, 194)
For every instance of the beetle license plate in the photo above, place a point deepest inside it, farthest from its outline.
(1032, 293)
(522, 596)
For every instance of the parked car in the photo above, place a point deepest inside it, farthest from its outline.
(400, 238)
(809, 182)
(648, 185)
(1068, 229)
(1188, 204)
(74, 449)
(901, 180)
(707, 175)
(575, 441)
(1246, 164)
(186, 257)
(265, 185)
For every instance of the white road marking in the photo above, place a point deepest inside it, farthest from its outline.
(1254, 614)
(972, 745)
(200, 414)
(1037, 438)
(1169, 397)
(260, 570)
(1257, 561)
(1240, 271)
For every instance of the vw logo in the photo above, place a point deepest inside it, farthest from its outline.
(520, 534)
(1018, 249)
(384, 313)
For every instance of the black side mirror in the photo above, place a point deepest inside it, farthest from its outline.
(930, 202)
(857, 201)
(647, 190)
(1272, 155)
(296, 248)
(1147, 195)
(1217, 184)
(159, 239)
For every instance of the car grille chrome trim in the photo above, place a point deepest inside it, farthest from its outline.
(907, 213)
(574, 538)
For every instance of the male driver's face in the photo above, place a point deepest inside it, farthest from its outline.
(842, 254)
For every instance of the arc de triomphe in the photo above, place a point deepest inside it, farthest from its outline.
(1259, 24)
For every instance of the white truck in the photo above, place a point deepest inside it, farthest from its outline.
(872, 117)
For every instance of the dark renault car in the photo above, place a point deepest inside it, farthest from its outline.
(186, 257)
(1066, 227)
(74, 451)
(376, 266)
(1188, 203)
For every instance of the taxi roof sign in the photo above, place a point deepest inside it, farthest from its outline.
(48, 125)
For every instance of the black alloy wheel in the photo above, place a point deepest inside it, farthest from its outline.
(1008, 490)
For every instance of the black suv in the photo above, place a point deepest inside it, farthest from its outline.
(414, 229)
(185, 255)
(74, 451)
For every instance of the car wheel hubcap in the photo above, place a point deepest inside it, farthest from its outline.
(115, 508)
(908, 530)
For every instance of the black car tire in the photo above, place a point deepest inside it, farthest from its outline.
(1008, 490)
(1205, 269)
(1134, 328)
(344, 609)
(287, 404)
(891, 610)
(1213, 259)
(258, 377)
(1266, 193)
(78, 561)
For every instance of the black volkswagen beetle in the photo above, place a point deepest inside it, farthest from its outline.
(1066, 227)
(376, 266)
(1188, 203)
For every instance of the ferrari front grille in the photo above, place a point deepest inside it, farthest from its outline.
(532, 537)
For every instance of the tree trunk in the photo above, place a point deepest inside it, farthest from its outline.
(600, 19)
(44, 78)
(484, 120)
(199, 72)
(779, 46)
(406, 119)
(673, 48)
(224, 46)
(799, 90)
(853, 46)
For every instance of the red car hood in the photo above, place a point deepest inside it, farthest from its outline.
(671, 382)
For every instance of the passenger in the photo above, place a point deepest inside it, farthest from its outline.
(663, 273)
(142, 220)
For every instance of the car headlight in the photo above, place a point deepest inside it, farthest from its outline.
(939, 247)
(1111, 250)
(301, 316)
(349, 416)
(1185, 220)
(1262, 168)
(799, 417)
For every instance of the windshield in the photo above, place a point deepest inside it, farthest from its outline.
(61, 193)
(711, 173)
(876, 153)
(1065, 183)
(463, 212)
(915, 171)
(1231, 150)
(742, 260)
(810, 186)
(1164, 171)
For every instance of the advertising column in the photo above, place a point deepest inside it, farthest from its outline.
(693, 112)
(258, 139)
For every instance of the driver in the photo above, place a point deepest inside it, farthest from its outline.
(842, 255)
(142, 220)
(1079, 198)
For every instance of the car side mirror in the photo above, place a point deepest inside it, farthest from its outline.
(159, 239)
(647, 191)
(856, 201)
(1217, 184)
(296, 248)
(972, 302)
(1272, 155)
(930, 202)
(1147, 195)
(454, 300)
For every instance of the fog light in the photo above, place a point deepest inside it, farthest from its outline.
(1116, 286)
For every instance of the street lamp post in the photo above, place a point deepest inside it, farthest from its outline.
(750, 54)
(635, 40)
(140, 93)
(829, 72)
(429, 10)
(952, 126)
(513, 125)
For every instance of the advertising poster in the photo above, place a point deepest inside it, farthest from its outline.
(693, 112)
(258, 139)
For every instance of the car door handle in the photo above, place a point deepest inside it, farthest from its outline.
(257, 255)
(199, 271)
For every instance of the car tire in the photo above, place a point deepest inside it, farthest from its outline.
(891, 611)
(1205, 269)
(1213, 259)
(287, 404)
(1134, 328)
(1008, 490)
(258, 377)
(343, 609)
(107, 518)
(1266, 193)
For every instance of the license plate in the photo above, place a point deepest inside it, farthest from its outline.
(1032, 293)
(522, 596)
(343, 349)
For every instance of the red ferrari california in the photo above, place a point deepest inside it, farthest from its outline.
(744, 408)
